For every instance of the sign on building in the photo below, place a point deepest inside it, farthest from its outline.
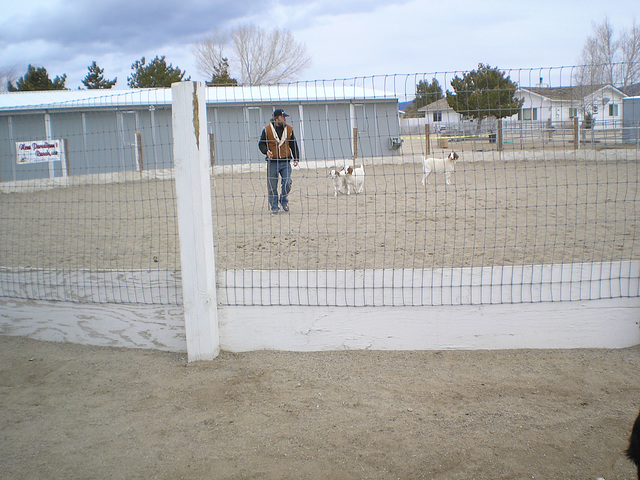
(39, 151)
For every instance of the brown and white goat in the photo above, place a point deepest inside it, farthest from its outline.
(355, 179)
(339, 178)
(439, 165)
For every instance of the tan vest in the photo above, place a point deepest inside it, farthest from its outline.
(279, 146)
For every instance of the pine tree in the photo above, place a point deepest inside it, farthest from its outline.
(484, 92)
(426, 93)
(221, 75)
(37, 79)
(155, 74)
(95, 78)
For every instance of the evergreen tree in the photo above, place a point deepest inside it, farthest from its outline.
(484, 92)
(37, 79)
(95, 78)
(221, 75)
(155, 74)
(426, 93)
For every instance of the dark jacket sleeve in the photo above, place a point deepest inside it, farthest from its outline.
(262, 143)
(293, 145)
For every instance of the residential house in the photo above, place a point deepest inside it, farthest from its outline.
(438, 115)
(562, 104)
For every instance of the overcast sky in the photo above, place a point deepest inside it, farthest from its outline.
(344, 38)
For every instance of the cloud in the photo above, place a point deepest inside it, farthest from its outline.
(69, 35)
(345, 38)
(119, 21)
(431, 36)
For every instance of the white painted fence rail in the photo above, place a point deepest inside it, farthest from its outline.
(431, 287)
(455, 321)
(610, 323)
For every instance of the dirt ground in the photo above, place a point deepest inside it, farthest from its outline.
(72, 411)
(495, 213)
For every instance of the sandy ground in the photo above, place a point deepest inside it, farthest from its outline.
(495, 213)
(71, 411)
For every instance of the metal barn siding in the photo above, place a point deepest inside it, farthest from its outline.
(6, 150)
(324, 130)
(67, 126)
(631, 120)
(227, 126)
(99, 131)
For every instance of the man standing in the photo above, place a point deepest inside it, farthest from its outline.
(279, 146)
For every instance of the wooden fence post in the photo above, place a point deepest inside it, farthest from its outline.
(212, 149)
(139, 159)
(499, 134)
(576, 133)
(427, 140)
(195, 224)
(355, 144)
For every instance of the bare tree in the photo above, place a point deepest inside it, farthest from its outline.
(630, 46)
(7, 75)
(209, 53)
(607, 60)
(598, 56)
(259, 57)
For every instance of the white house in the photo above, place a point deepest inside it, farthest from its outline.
(541, 104)
(563, 104)
(439, 114)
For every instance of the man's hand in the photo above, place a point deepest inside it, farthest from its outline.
(269, 154)
(295, 163)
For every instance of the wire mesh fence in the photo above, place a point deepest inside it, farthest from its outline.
(541, 206)
(87, 198)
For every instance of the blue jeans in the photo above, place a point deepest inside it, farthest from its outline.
(275, 168)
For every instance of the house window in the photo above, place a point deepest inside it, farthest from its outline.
(528, 114)
(437, 116)
(573, 112)
(613, 110)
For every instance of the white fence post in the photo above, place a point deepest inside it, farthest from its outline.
(193, 192)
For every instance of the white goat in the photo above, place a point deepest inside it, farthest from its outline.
(339, 178)
(355, 179)
(439, 165)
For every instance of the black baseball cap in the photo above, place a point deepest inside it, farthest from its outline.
(278, 112)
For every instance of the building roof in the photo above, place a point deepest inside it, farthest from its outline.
(567, 93)
(437, 106)
(53, 99)
(632, 90)
(71, 99)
